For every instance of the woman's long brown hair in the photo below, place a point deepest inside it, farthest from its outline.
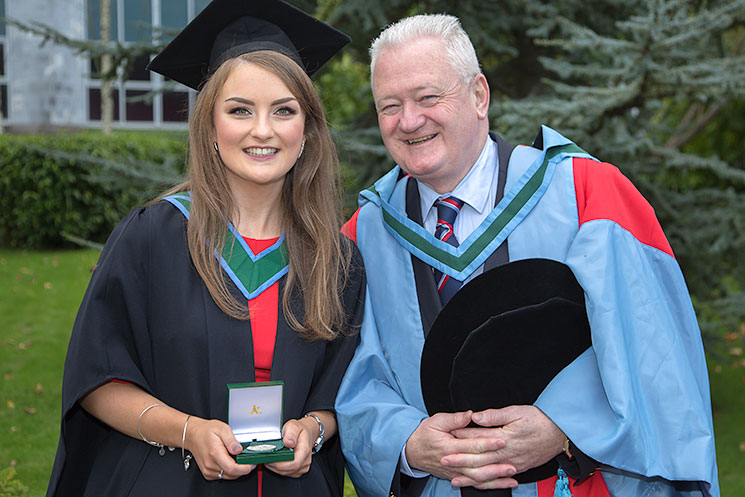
(310, 203)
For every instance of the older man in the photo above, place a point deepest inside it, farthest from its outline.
(635, 406)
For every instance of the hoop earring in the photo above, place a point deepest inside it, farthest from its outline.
(302, 148)
(214, 144)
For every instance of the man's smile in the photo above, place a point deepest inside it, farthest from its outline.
(423, 139)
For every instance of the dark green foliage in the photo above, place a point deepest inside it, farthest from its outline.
(647, 97)
(344, 88)
(80, 184)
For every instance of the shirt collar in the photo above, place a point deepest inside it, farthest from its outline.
(473, 189)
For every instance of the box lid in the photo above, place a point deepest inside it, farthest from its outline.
(255, 410)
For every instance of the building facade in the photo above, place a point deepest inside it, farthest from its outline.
(46, 86)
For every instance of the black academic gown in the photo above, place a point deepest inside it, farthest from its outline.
(147, 318)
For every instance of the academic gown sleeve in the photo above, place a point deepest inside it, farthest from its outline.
(374, 417)
(102, 347)
(638, 400)
(375, 421)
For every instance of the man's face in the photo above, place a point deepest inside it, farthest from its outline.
(433, 125)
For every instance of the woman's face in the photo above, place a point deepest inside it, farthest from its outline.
(259, 126)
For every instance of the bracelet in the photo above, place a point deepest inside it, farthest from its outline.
(154, 444)
(321, 432)
(187, 459)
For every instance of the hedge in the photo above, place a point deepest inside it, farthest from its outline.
(79, 185)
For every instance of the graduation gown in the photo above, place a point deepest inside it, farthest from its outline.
(147, 318)
(637, 401)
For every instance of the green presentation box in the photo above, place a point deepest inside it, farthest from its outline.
(255, 416)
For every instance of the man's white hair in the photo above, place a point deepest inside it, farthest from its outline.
(447, 28)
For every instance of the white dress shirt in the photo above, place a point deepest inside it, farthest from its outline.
(478, 191)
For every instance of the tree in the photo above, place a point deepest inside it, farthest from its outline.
(107, 99)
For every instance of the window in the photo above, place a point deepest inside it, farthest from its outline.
(175, 106)
(138, 20)
(3, 76)
(94, 104)
(2, 14)
(4, 99)
(147, 97)
(173, 17)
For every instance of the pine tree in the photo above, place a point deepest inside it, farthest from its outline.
(635, 97)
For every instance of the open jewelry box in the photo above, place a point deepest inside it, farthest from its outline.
(255, 416)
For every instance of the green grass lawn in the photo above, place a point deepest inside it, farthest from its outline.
(728, 404)
(39, 295)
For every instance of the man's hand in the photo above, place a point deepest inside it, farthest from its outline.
(432, 441)
(530, 439)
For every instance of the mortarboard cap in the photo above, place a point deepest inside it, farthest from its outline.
(228, 28)
(501, 339)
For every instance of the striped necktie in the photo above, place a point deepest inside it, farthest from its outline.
(447, 210)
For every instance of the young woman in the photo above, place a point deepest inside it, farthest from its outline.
(237, 275)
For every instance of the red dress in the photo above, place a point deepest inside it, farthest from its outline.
(263, 312)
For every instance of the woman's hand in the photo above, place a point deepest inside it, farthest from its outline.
(297, 434)
(134, 412)
(212, 444)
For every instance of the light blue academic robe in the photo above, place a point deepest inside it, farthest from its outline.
(637, 401)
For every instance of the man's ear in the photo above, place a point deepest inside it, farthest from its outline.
(480, 90)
